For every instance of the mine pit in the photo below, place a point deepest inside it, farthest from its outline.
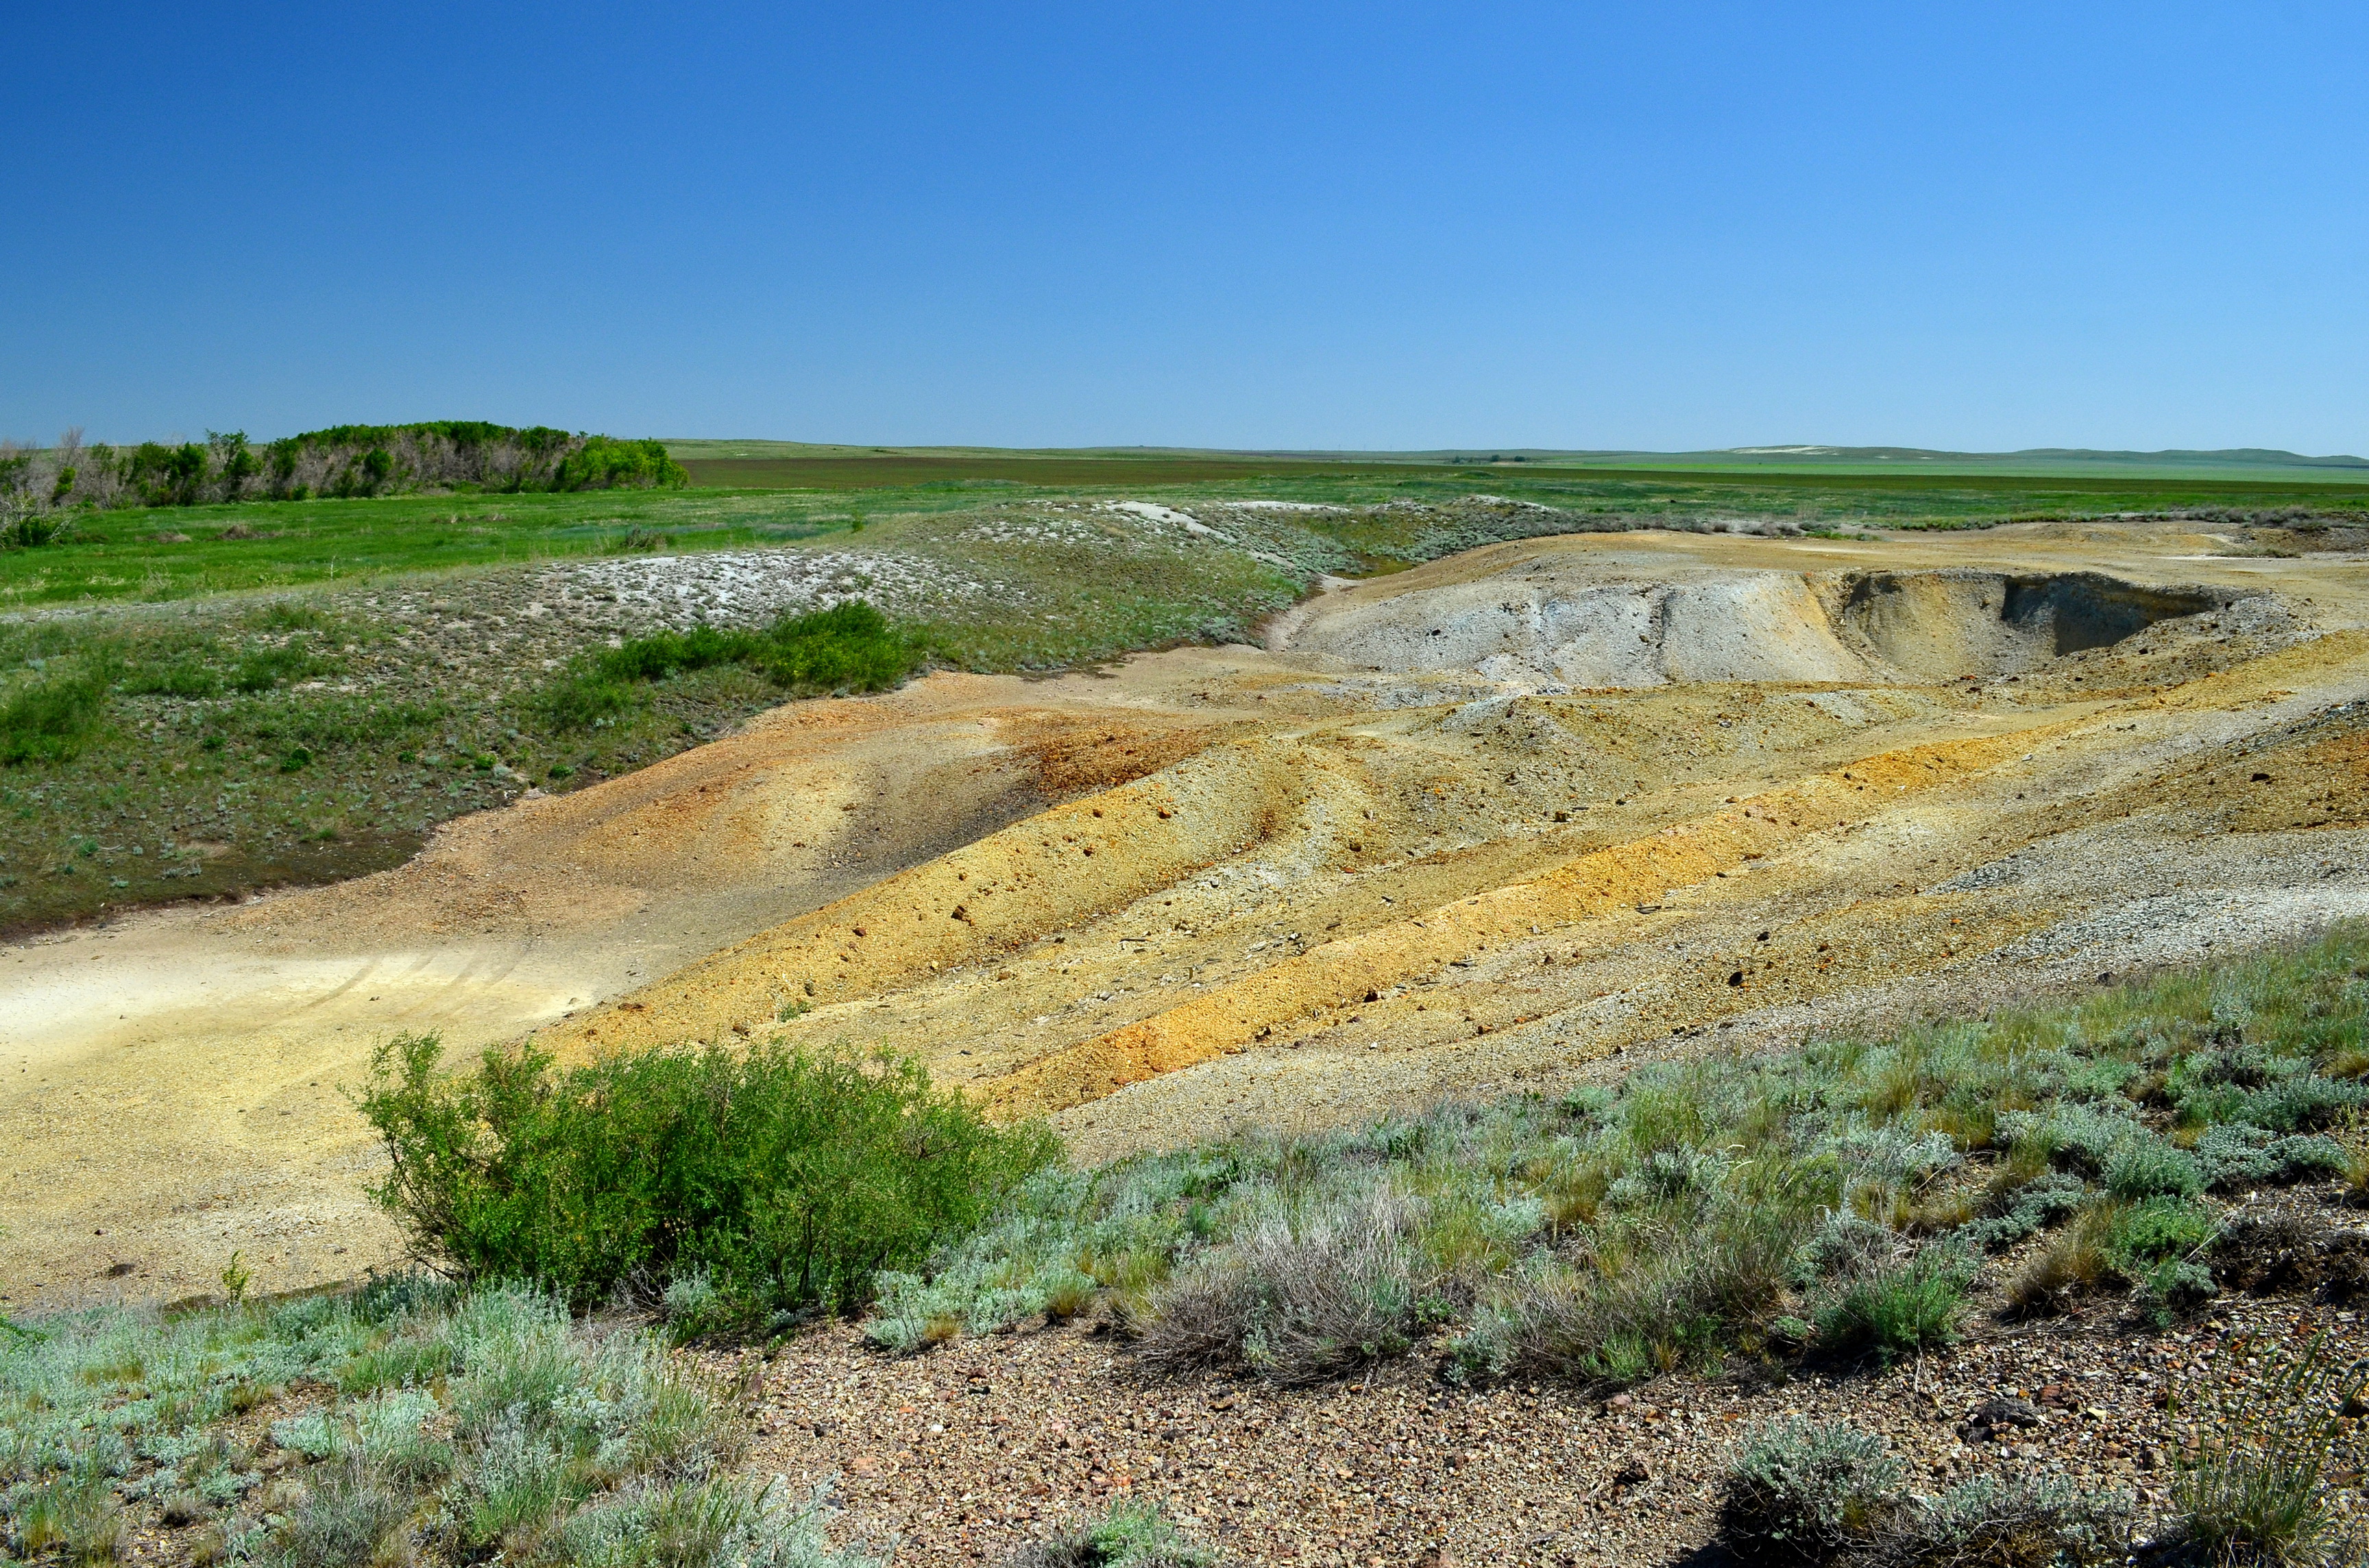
(1768, 746)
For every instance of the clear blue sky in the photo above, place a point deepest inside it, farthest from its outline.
(1370, 225)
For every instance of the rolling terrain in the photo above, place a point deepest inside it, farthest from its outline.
(1523, 815)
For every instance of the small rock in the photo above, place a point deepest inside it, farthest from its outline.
(2006, 1411)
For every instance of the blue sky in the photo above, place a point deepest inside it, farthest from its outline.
(1364, 226)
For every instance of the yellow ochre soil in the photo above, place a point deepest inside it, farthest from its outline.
(1523, 816)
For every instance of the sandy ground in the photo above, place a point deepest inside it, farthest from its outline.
(1516, 816)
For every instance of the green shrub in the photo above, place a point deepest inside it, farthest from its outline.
(2146, 1167)
(791, 1179)
(848, 647)
(1811, 1490)
(1898, 1309)
(2237, 1155)
(605, 463)
(2159, 1228)
(1132, 1535)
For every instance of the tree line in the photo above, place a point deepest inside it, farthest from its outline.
(343, 460)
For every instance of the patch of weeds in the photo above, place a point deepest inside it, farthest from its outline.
(849, 647)
(1898, 1310)
(1830, 1492)
(1691, 1213)
(1131, 1535)
(719, 1520)
(2255, 1490)
(52, 717)
(76, 1517)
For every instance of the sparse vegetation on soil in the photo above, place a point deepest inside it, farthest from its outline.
(1834, 1202)
(1561, 1010)
(231, 752)
(408, 1421)
(1694, 1226)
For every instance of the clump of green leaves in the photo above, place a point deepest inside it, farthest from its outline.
(1809, 1491)
(787, 1180)
(848, 647)
(2256, 1488)
(1132, 1535)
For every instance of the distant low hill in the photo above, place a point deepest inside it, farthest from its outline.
(766, 463)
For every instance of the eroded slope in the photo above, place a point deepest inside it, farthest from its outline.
(1500, 819)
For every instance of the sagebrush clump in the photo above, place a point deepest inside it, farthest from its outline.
(429, 1423)
(1807, 1492)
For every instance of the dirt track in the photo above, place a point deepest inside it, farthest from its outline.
(1496, 822)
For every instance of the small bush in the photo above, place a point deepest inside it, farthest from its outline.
(1297, 1298)
(1132, 1535)
(2024, 1522)
(2254, 1492)
(789, 1179)
(726, 1521)
(1898, 1309)
(2148, 1167)
(849, 647)
(1830, 1492)
(1810, 1491)
(2238, 1155)
(350, 1510)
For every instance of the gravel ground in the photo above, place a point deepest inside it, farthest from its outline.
(967, 1453)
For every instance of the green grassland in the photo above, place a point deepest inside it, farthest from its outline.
(751, 495)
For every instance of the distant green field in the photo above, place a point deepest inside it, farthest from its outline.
(170, 552)
(181, 552)
(801, 464)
